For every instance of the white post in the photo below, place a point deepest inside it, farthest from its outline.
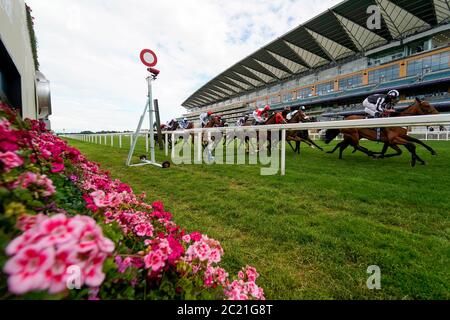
(283, 152)
(167, 143)
(146, 142)
(120, 141)
(199, 147)
(112, 140)
(131, 139)
(173, 146)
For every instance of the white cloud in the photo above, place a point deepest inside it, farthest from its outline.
(89, 49)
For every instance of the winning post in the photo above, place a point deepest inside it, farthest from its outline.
(149, 59)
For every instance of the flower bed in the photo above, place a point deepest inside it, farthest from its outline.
(69, 231)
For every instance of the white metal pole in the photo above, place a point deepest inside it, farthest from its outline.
(167, 143)
(173, 145)
(199, 147)
(146, 142)
(150, 130)
(283, 152)
(120, 141)
(112, 140)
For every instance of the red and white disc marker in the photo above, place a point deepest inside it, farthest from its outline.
(149, 58)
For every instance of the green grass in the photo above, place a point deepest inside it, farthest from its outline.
(313, 233)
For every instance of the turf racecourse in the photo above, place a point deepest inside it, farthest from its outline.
(313, 233)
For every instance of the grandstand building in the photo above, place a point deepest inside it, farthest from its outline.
(22, 85)
(332, 62)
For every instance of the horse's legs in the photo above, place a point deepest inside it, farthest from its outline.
(393, 146)
(412, 149)
(337, 147)
(343, 145)
(292, 147)
(297, 147)
(412, 139)
(314, 144)
(363, 150)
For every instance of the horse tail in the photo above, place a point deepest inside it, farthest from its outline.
(330, 134)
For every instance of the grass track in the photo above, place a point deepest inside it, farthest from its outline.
(313, 233)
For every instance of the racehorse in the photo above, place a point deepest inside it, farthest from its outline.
(392, 137)
(300, 136)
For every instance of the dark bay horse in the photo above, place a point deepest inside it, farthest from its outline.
(391, 137)
(300, 136)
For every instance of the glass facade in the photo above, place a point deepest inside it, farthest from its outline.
(275, 99)
(384, 74)
(304, 93)
(428, 64)
(261, 103)
(324, 88)
(288, 97)
(350, 82)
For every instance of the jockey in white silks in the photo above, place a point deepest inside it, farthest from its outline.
(376, 104)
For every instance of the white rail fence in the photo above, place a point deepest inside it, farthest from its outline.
(429, 120)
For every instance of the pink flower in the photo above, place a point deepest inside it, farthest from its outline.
(27, 269)
(251, 273)
(41, 257)
(57, 167)
(99, 198)
(35, 182)
(187, 238)
(215, 256)
(144, 230)
(196, 236)
(158, 206)
(10, 160)
(154, 260)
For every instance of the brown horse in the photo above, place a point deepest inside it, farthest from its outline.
(392, 137)
(300, 136)
(272, 119)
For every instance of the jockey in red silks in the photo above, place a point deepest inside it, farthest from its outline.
(261, 115)
(279, 119)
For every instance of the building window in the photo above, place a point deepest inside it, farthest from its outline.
(350, 82)
(261, 103)
(287, 97)
(275, 99)
(324, 88)
(304, 93)
(275, 88)
(384, 74)
(432, 63)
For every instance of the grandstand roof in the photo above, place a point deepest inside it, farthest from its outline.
(338, 33)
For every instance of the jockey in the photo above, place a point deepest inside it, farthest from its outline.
(376, 104)
(261, 115)
(171, 124)
(205, 118)
(242, 121)
(184, 123)
(293, 113)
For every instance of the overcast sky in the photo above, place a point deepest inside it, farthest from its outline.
(89, 50)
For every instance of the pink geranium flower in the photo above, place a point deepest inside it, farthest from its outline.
(154, 260)
(10, 160)
(41, 257)
(27, 269)
(35, 182)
